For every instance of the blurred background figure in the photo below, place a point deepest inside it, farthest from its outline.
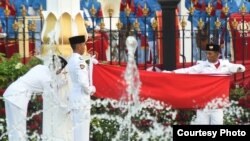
(92, 21)
(34, 10)
(19, 5)
(127, 19)
(7, 20)
(200, 39)
(95, 44)
(226, 42)
(146, 31)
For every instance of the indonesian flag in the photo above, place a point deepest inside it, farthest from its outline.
(177, 90)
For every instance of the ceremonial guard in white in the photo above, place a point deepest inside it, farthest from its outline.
(81, 90)
(213, 65)
(36, 81)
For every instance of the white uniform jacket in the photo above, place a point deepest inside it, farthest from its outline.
(211, 116)
(205, 67)
(36, 80)
(80, 77)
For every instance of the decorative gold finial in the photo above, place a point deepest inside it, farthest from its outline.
(154, 24)
(234, 23)
(93, 11)
(191, 10)
(40, 10)
(102, 25)
(136, 25)
(145, 10)
(127, 10)
(15, 25)
(217, 23)
(225, 9)
(32, 26)
(183, 23)
(200, 24)
(243, 9)
(209, 9)
(110, 11)
(24, 11)
(119, 25)
(7, 11)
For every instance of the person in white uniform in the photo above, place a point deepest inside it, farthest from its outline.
(81, 89)
(213, 65)
(16, 97)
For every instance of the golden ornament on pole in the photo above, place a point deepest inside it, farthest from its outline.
(225, 9)
(243, 9)
(235, 24)
(7, 11)
(15, 26)
(110, 11)
(183, 23)
(119, 25)
(200, 24)
(136, 25)
(127, 10)
(191, 10)
(32, 26)
(145, 10)
(93, 11)
(154, 24)
(102, 25)
(209, 9)
(217, 23)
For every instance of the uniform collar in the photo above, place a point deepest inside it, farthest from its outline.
(77, 54)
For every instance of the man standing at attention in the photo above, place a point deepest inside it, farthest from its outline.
(81, 89)
(213, 65)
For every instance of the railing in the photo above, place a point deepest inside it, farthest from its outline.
(24, 32)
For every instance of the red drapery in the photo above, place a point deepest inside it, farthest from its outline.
(178, 90)
(98, 46)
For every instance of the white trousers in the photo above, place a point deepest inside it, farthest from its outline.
(152, 51)
(16, 122)
(81, 124)
(209, 117)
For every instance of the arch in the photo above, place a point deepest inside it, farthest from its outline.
(80, 23)
(49, 25)
(65, 32)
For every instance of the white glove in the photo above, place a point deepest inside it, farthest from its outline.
(92, 90)
(241, 69)
(94, 60)
(165, 71)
